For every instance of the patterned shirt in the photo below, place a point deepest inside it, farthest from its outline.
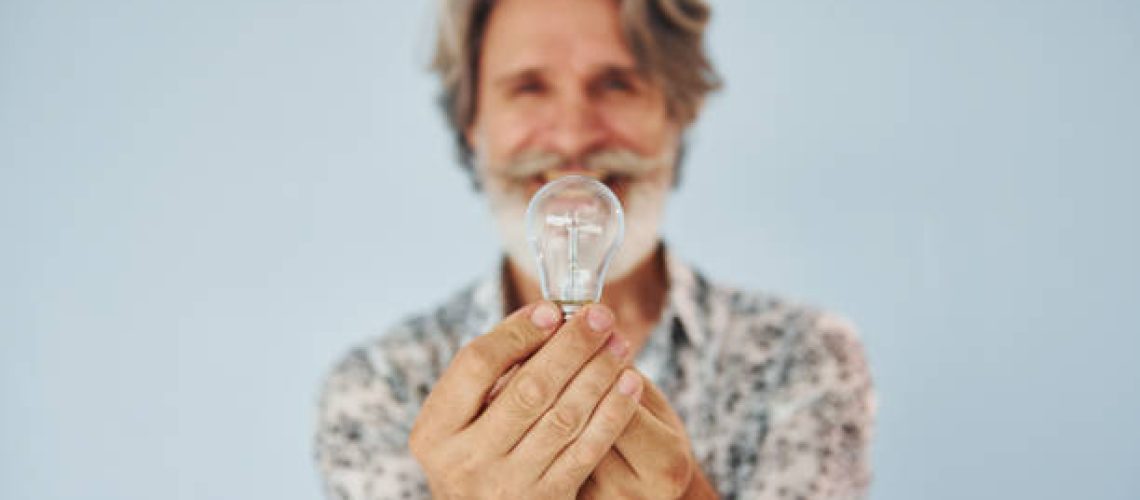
(776, 397)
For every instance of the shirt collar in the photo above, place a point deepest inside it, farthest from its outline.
(688, 294)
(688, 300)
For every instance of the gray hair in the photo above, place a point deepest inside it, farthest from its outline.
(665, 36)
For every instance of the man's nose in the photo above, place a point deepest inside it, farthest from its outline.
(577, 127)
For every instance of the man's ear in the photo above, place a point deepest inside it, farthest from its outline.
(472, 150)
(679, 157)
(471, 135)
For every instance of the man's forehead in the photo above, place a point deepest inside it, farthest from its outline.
(582, 36)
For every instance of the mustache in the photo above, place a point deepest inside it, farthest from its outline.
(622, 162)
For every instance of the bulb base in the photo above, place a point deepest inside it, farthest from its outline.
(569, 307)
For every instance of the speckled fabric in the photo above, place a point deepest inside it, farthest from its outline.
(776, 397)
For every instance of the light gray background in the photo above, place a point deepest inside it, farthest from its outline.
(205, 203)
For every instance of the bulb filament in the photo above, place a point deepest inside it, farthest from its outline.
(574, 290)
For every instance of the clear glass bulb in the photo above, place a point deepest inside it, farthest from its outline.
(575, 225)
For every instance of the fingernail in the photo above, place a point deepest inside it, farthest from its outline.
(599, 318)
(629, 383)
(617, 346)
(544, 316)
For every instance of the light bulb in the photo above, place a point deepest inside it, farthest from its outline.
(574, 225)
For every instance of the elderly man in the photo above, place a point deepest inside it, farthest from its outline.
(671, 387)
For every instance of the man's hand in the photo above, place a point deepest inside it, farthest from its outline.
(652, 459)
(554, 420)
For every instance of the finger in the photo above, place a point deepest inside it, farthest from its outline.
(655, 401)
(571, 468)
(560, 425)
(608, 477)
(459, 394)
(542, 378)
(614, 468)
(501, 383)
(654, 443)
(646, 442)
(615, 465)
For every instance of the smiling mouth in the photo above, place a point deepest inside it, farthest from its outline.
(618, 183)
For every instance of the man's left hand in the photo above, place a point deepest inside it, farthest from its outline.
(651, 459)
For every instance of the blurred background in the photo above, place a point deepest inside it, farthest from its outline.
(204, 204)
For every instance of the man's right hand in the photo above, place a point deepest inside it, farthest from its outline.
(552, 423)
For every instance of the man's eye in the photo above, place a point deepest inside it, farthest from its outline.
(528, 88)
(616, 83)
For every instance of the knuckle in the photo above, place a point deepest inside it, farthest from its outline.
(514, 336)
(595, 386)
(529, 392)
(477, 356)
(677, 473)
(563, 367)
(580, 459)
(467, 467)
(611, 421)
(563, 421)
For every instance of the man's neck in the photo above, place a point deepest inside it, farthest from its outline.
(637, 299)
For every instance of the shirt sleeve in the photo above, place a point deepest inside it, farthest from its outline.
(365, 413)
(820, 419)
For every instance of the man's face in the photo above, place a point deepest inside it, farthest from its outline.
(559, 93)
